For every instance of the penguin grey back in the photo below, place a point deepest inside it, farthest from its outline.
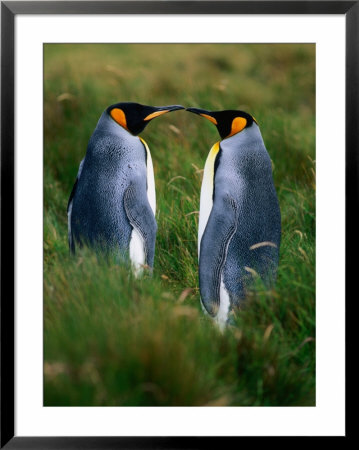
(240, 230)
(114, 160)
(112, 203)
(245, 173)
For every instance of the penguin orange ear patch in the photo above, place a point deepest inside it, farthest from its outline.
(119, 116)
(238, 124)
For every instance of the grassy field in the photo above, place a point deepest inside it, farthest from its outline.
(112, 340)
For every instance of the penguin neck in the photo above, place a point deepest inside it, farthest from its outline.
(246, 149)
(247, 136)
(110, 140)
(108, 125)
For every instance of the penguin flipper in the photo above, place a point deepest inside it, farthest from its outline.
(141, 217)
(220, 228)
(69, 211)
(69, 208)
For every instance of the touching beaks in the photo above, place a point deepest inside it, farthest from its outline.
(173, 107)
(159, 110)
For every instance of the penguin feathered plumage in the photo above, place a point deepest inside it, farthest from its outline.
(239, 224)
(113, 202)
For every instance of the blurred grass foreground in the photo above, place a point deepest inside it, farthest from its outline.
(112, 340)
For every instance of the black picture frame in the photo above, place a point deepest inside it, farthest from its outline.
(9, 9)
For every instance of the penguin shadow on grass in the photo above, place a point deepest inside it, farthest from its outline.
(112, 205)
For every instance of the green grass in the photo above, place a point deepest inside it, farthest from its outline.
(110, 339)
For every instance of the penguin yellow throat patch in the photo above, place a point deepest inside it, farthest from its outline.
(119, 116)
(208, 175)
(206, 201)
(211, 158)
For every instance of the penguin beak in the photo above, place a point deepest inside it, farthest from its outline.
(159, 110)
(203, 113)
(173, 107)
(198, 111)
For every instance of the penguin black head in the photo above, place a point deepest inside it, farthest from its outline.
(134, 117)
(228, 122)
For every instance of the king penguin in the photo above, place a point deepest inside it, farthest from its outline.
(239, 227)
(112, 205)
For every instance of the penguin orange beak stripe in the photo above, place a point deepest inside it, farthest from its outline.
(203, 113)
(212, 119)
(155, 114)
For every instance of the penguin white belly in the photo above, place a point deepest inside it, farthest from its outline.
(224, 306)
(206, 200)
(151, 190)
(137, 245)
(137, 252)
